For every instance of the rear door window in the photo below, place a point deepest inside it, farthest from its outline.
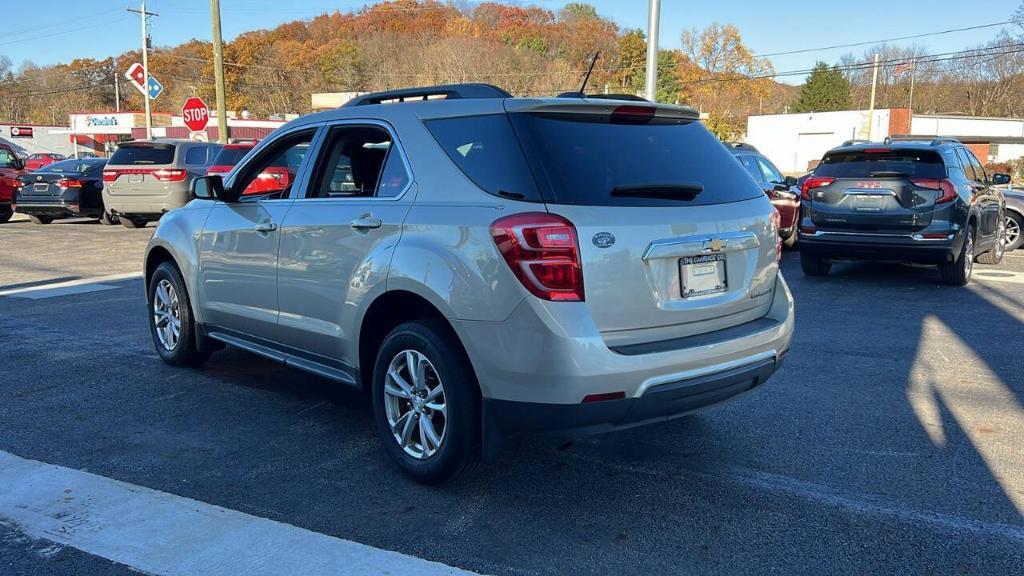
(979, 170)
(750, 165)
(230, 156)
(965, 161)
(143, 155)
(882, 163)
(771, 173)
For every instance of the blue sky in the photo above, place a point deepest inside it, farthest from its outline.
(52, 31)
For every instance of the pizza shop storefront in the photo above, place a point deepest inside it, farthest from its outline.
(99, 133)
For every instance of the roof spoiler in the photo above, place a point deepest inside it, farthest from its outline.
(445, 92)
(855, 141)
(742, 146)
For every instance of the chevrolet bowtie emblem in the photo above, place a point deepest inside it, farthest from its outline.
(715, 245)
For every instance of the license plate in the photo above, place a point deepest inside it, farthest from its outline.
(702, 275)
(136, 178)
(868, 202)
(41, 187)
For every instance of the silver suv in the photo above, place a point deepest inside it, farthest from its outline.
(483, 265)
(144, 179)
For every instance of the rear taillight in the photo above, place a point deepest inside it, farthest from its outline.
(69, 183)
(218, 170)
(169, 175)
(776, 224)
(543, 252)
(110, 175)
(946, 186)
(814, 182)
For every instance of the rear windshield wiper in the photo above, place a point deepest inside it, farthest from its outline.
(677, 191)
(889, 174)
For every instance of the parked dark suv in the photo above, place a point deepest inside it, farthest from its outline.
(911, 201)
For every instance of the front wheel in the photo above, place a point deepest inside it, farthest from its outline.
(40, 219)
(171, 322)
(133, 222)
(108, 219)
(426, 402)
(1013, 235)
(995, 255)
(790, 242)
(958, 272)
(813, 265)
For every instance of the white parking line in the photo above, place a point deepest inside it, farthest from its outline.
(160, 533)
(69, 287)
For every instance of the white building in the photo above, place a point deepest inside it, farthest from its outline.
(796, 142)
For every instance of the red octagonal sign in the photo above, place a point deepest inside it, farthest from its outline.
(195, 114)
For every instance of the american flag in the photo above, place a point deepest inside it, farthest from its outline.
(903, 68)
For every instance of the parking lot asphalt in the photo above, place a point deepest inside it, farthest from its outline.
(888, 443)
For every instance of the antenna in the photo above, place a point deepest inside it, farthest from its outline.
(593, 61)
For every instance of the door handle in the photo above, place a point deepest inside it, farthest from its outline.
(366, 222)
(266, 227)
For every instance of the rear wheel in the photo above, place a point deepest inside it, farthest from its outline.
(814, 265)
(133, 222)
(426, 402)
(1013, 235)
(171, 323)
(40, 219)
(995, 255)
(958, 272)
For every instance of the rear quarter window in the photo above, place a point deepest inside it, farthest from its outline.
(865, 164)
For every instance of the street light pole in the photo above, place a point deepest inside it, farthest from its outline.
(653, 18)
(218, 73)
(871, 111)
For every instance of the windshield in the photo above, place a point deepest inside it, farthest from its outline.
(883, 163)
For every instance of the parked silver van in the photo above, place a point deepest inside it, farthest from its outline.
(146, 178)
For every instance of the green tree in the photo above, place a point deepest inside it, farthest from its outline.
(825, 90)
(667, 90)
(578, 10)
(630, 59)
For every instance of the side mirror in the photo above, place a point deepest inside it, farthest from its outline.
(1000, 179)
(790, 181)
(212, 188)
(785, 187)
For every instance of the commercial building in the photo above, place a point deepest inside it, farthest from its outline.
(796, 142)
(35, 138)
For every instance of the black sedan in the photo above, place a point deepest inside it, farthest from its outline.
(65, 189)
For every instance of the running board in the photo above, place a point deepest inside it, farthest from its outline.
(286, 358)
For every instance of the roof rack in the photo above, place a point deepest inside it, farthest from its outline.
(944, 140)
(742, 146)
(445, 92)
(855, 141)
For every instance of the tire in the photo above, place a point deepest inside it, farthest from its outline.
(108, 219)
(40, 219)
(1014, 231)
(814, 265)
(5, 216)
(457, 428)
(129, 222)
(958, 272)
(170, 305)
(995, 255)
(790, 243)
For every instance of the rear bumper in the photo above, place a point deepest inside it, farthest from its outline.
(56, 209)
(659, 403)
(881, 247)
(145, 204)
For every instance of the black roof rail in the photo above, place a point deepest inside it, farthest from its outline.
(448, 92)
(742, 146)
(855, 141)
(944, 140)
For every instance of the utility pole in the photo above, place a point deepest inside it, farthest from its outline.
(913, 76)
(218, 73)
(117, 87)
(144, 17)
(871, 111)
(653, 19)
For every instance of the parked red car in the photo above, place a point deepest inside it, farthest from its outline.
(42, 159)
(777, 187)
(10, 168)
(273, 179)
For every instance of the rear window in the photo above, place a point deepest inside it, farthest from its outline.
(74, 166)
(143, 155)
(230, 156)
(863, 164)
(585, 159)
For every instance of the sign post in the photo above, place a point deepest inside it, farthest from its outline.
(196, 114)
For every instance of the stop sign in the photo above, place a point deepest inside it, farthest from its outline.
(195, 114)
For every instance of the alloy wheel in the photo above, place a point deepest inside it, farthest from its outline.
(969, 253)
(166, 315)
(1011, 231)
(414, 403)
(1000, 246)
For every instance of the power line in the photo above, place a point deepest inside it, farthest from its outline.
(885, 40)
